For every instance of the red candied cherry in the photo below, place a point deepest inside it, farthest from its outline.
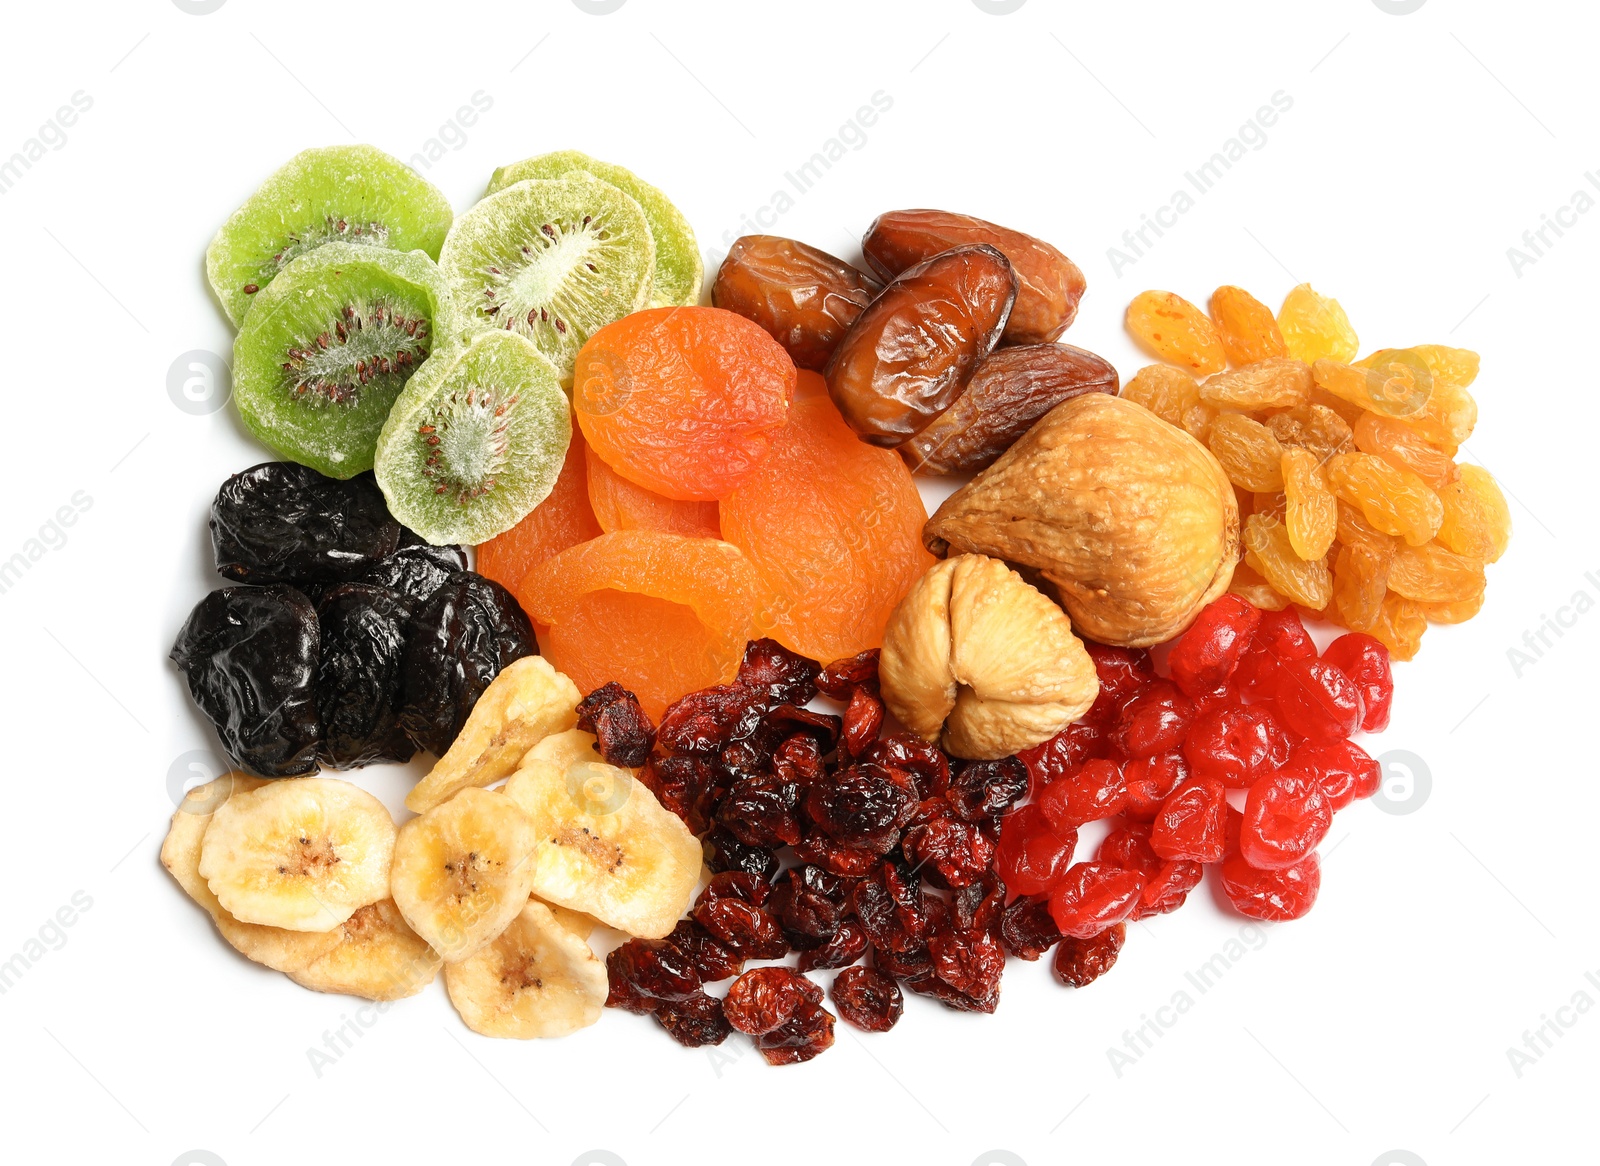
(1236, 745)
(1204, 657)
(1285, 817)
(1192, 823)
(1317, 700)
(1092, 897)
(1065, 751)
(1344, 769)
(1096, 790)
(1168, 889)
(1278, 638)
(1150, 781)
(1272, 895)
(1033, 854)
(1122, 671)
(1366, 662)
(1129, 847)
(1154, 721)
(1233, 820)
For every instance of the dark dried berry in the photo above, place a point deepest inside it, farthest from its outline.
(944, 849)
(707, 721)
(745, 930)
(798, 760)
(891, 907)
(737, 884)
(458, 642)
(625, 734)
(760, 810)
(810, 904)
(728, 853)
(928, 984)
(834, 857)
(416, 571)
(905, 965)
(841, 677)
(711, 960)
(986, 789)
(865, 805)
(868, 999)
(848, 944)
(822, 729)
(1065, 751)
(1027, 929)
(249, 655)
(925, 762)
(280, 522)
(807, 1032)
(970, 962)
(786, 677)
(644, 972)
(763, 998)
(696, 1021)
(359, 675)
(863, 717)
(978, 906)
(688, 786)
(1079, 962)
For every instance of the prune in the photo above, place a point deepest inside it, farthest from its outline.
(249, 655)
(1026, 929)
(810, 904)
(695, 1022)
(805, 298)
(787, 677)
(891, 908)
(983, 790)
(863, 717)
(842, 676)
(1049, 284)
(763, 998)
(865, 805)
(728, 853)
(709, 958)
(868, 999)
(625, 734)
(281, 522)
(416, 571)
(912, 351)
(807, 1033)
(709, 720)
(458, 642)
(845, 947)
(948, 851)
(1080, 962)
(643, 973)
(1010, 390)
(359, 678)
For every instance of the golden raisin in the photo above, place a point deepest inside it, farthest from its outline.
(1356, 531)
(1403, 447)
(1249, 585)
(1310, 514)
(1399, 388)
(1477, 521)
(1395, 501)
(1399, 626)
(1269, 552)
(1172, 395)
(1454, 366)
(1176, 331)
(1314, 427)
(1245, 326)
(1458, 612)
(1275, 383)
(1250, 455)
(1360, 580)
(1315, 327)
(1433, 574)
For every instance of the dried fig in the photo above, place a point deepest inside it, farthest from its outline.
(805, 298)
(1130, 518)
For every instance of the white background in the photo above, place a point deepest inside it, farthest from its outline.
(1418, 149)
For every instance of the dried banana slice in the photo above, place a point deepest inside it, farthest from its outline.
(564, 749)
(522, 706)
(274, 947)
(303, 854)
(463, 870)
(576, 922)
(606, 847)
(537, 979)
(378, 957)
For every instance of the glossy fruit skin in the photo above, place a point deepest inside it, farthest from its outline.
(1272, 895)
(1079, 962)
(694, 1022)
(1366, 662)
(249, 656)
(646, 973)
(1344, 770)
(619, 504)
(912, 351)
(1314, 327)
(1285, 816)
(868, 999)
(1033, 854)
(281, 522)
(1150, 781)
(1236, 745)
(1049, 285)
(1154, 721)
(1176, 331)
(803, 297)
(359, 674)
(1168, 888)
(564, 519)
(1205, 656)
(622, 730)
(1027, 930)
(1093, 896)
(1245, 326)
(1317, 700)
(1189, 826)
(1093, 791)
(416, 571)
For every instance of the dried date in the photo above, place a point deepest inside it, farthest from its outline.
(804, 298)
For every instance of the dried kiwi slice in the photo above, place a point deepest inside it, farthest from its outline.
(343, 194)
(328, 347)
(679, 266)
(476, 440)
(552, 259)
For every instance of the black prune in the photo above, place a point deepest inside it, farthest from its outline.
(249, 655)
(280, 522)
(416, 571)
(359, 679)
(457, 643)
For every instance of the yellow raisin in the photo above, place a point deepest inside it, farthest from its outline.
(1347, 412)
(1395, 501)
(1360, 581)
(1269, 553)
(1176, 331)
(1448, 418)
(1275, 383)
(1448, 413)
(1172, 395)
(1356, 531)
(1403, 447)
(1250, 455)
(1272, 504)
(1315, 327)
(1455, 366)
(1314, 427)
(1249, 585)
(1245, 326)
(1310, 512)
(1432, 573)
(1399, 626)
(1400, 387)
(1459, 612)
(1477, 521)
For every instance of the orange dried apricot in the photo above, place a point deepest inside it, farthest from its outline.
(683, 401)
(1477, 521)
(564, 519)
(1176, 331)
(1315, 327)
(833, 528)
(1395, 501)
(1245, 326)
(621, 505)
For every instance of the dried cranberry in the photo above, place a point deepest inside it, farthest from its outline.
(763, 998)
(728, 853)
(924, 761)
(711, 960)
(1191, 823)
(1154, 721)
(906, 965)
(842, 676)
(625, 733)
(1027, 930)
(695, 1022)
(1168, 888)
(987, 789)
(705, 722)
(1205, 656)
(865, 805)
(1236, 745)
(836, 858)
(868, 999)
(1080, 962)
(1285, 817)
(792, 724)
(1366, 662)
(806, 1033)
(1065, 751)
(745, 886)
(786, 677)
(863, 717)
(1344, 770)
(890, 906)
(1317, 700)
(1033, 853)
(1092, 896)
(1272, 895)
(688, 786)
(746, 930)
(970, 962)
(948, 851)
(759, 810)
(847, 945)
(644, 972)
(809, 903)
(977, 906)
(1129, 847)
(799, 760)
(1150, 781)
(1095, 790)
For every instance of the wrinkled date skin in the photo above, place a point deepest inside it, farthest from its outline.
(912, 351)
(359, 681)
(806, 299)
(1008, 392)
(249, 655)
(458, 642)
(1049, 284)
(280, 522)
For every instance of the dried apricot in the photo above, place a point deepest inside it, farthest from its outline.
(1310, 512)
(621, 505)
(564, 519)
(833, 528)
(1477, 521)
(1250, 455)
(682, 401)
(1434, 574)
(1176, 331)
(1172, 395)
(1314, 327)
(1269, 552)
(1404, 448)
(1314, 427)
(1277, 382)
(1395, 501)
(1245, 326)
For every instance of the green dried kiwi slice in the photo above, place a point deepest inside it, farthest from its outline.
(329, 345)
(552, 259)
(476, 441)
(679, 266)
(333, 194)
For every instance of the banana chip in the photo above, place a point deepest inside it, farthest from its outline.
(564, 749)
(536, 979)
(378, 957)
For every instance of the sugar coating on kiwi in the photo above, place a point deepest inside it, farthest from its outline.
(476, 441)
(553, 260)
(334, 194)
(680, 269)
(329, 345)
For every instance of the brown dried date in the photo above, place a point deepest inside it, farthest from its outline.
(1049, 284)
(804, 298)
(1008, 392)
(911, 352)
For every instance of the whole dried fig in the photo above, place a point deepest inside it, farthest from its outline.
(1131, 519)
(805, 298)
